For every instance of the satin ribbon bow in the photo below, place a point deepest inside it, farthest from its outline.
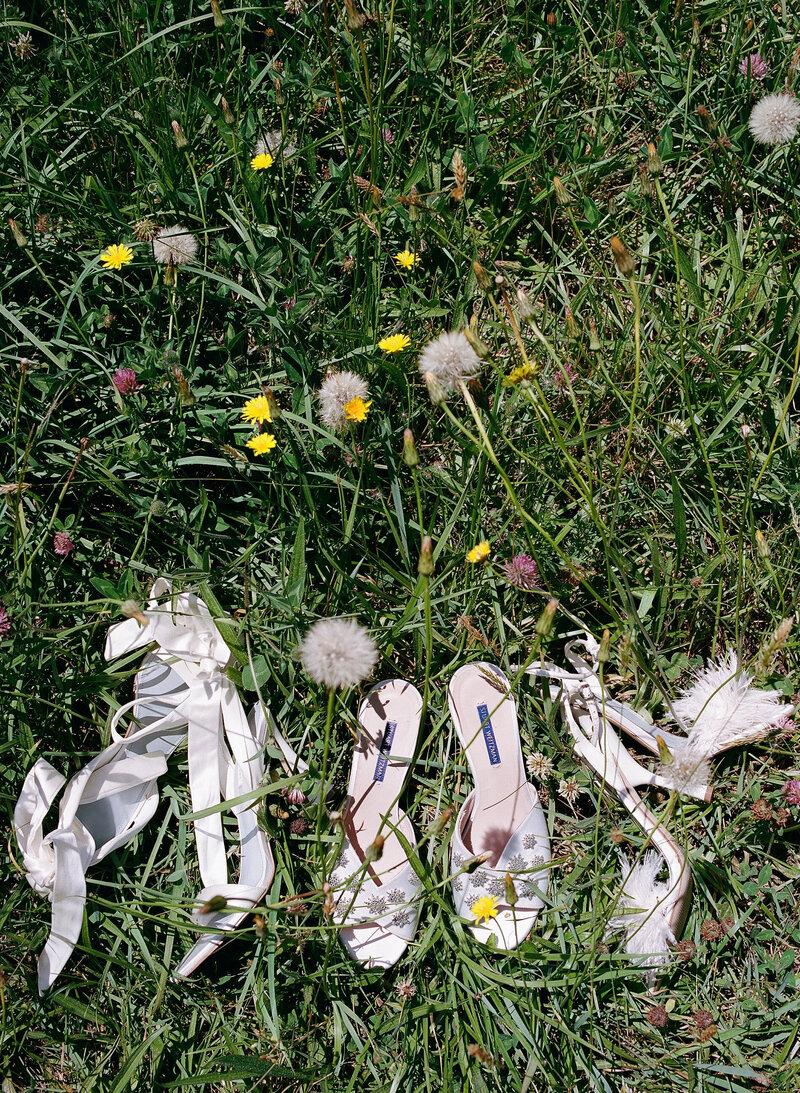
(108, 802)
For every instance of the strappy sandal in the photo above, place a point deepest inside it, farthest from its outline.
(377, 897)
(651, 913)
(501, 821)
(181, 690)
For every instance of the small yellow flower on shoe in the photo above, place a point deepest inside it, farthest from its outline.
(394, 343)
(480, 552)
(406, 258)
(356, 409)
(484, 908)
(262, 161)
(257, 409)
(116, 256)
(262, 443)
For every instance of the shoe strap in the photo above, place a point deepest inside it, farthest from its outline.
(526, 856)
(225, 753)
(393, 905)
(603, 750)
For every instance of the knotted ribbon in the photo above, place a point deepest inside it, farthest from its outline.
(108, 802)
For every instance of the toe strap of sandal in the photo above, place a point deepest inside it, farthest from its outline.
(525, 857)
(393, 905)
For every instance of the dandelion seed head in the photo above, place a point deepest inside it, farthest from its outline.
(449, 359)
(775, 119)
(174, 244)
(338, 653)
(338, 390)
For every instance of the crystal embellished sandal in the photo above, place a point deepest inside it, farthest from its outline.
(377, 892)
(501, 822)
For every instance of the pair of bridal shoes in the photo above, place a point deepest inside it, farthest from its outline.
(721, 710)
(500, 828)
(182, 694)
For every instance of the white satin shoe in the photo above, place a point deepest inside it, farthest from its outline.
(182, 693)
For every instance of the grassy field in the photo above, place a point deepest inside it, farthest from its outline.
(636, 433)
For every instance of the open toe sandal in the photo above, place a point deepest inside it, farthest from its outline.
(377, 897)
(501, 822)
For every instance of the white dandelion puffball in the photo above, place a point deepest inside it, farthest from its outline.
(775, 119)
(449, 359)
(338, 653)
(176, 245)
(337, 390)
(270, 144)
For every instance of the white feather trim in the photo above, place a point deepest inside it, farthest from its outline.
(723, 710)
(688, 771)
(643, 909)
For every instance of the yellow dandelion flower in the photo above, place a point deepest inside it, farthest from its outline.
(257, 409)
(356, 409)
(521, 374)
(406, 258)
(116, 256)
(262, 161)
(394, 343)
(485, 908)
(262, 443)
(480, 552)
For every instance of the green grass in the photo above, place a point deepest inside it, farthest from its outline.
(632, 486)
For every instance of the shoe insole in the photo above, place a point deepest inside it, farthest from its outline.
(389, 721)
(485, 717)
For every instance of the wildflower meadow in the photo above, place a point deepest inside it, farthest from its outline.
(366, 365)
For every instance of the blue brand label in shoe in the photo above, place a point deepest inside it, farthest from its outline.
(385, 750)
(488, 736)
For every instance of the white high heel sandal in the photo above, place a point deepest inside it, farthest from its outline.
(378, 899)
(502, 817)
(181, 691)
(724, 712)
